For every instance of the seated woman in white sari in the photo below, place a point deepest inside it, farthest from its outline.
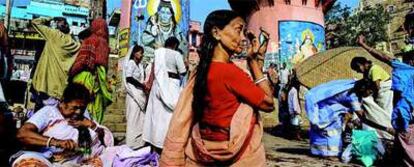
(63, 134)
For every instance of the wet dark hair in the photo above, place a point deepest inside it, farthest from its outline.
(219, 19)
(135, 49)
(57, 19)
(358, 60)
(76, 91)
(172, 42)
(84, 34)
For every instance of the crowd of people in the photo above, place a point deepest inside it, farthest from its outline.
(372, 116)
(210, 116)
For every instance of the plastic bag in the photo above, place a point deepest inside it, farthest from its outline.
(365, 146)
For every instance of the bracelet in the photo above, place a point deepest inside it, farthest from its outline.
(260, 80)
(48, 142)
(96, 127)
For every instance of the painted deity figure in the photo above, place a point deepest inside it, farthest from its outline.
(306, 49)
(161, 25)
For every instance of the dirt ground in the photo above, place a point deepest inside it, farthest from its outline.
(290, 153)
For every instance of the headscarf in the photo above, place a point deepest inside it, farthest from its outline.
(94, 50)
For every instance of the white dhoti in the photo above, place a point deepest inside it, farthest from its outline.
(164, 95)
(379, 110)
(158, 115)
(385, 96)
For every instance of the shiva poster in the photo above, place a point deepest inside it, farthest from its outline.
(154, 21)
(299, 40)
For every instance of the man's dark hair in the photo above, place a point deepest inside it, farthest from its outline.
(172, 42)
(364, 85)
(76, 91)
(60, 19)
(358, 60)
(64, 29)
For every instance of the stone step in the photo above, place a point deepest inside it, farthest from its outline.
(111, 116)
(114, 118)
(119, 138)
(114, 111)
(116, 127)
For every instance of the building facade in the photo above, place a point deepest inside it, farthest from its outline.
(98, 9)
(194, 39)
(22, 13)
(397, 10)
(25, 43)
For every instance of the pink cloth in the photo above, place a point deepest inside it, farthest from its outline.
(407, 145)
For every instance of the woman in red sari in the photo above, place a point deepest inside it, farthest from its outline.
(221, 127)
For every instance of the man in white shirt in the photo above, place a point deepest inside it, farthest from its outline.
(168, 68)
(283, 76)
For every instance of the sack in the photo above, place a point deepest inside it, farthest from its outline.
(364, 146)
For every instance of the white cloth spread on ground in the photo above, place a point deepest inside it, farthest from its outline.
(164, 94)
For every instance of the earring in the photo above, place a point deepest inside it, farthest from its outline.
(215, 34)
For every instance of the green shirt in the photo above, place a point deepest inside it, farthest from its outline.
(58, 55)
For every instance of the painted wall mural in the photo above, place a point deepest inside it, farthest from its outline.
(153, 21)
(299, 40)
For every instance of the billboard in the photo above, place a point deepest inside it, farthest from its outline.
(299, 40)
(153, 21)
